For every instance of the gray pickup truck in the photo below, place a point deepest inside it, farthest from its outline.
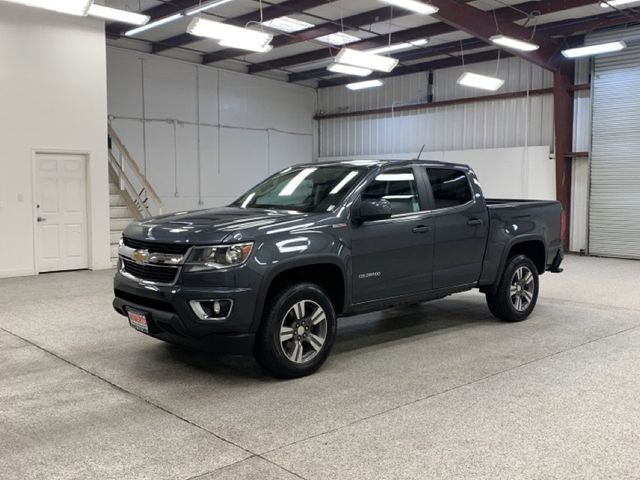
(270, 273)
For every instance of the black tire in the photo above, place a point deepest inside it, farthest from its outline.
(503, 304)
(282, 312)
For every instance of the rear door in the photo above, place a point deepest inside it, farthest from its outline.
(461, 226)
(393, 257)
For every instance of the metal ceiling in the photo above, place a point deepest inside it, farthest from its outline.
(302, 56)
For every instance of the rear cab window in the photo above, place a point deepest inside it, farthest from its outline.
(450, 187)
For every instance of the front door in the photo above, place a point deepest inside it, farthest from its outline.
(61, 211)
(393, 257)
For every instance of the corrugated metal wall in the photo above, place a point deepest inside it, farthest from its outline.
(492, 124)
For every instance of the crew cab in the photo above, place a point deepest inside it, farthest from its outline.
(271, 273)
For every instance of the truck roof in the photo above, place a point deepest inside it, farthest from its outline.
(381, 163)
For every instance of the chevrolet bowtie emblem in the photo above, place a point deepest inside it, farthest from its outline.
(140, 256)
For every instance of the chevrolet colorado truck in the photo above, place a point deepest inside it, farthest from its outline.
(270, 273)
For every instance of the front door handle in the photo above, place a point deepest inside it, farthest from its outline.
(474, 222)
(421, 229)
(41, 219)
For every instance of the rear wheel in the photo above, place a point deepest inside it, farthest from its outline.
(297, 331)
(517, 292)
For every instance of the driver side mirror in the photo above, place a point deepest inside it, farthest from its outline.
(374, 209)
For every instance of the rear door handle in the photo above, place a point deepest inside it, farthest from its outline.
(474, 222)
(421, 229)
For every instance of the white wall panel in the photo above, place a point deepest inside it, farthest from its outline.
(492, 124)
(52, 97)
(244, 157)
(210, 134)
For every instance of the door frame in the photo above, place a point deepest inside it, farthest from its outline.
(86, 155)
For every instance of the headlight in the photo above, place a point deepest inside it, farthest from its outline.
(218, 257)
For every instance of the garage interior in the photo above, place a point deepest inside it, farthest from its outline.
(123, 121)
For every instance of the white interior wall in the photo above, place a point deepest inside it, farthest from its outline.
(503, 172)
(52, 97)
(203, 135)
(492, 124)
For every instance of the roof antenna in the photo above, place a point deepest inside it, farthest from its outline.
(420, 153)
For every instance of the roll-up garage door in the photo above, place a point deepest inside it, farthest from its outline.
(614, 219)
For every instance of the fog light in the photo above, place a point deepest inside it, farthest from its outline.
(217, 309)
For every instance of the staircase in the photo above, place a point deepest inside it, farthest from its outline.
(120, 216)
(131, 196)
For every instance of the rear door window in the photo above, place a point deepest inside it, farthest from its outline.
(450, 187)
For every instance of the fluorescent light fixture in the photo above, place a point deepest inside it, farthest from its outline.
(338, 38)
(230, 35)
(365, 84)
(287, 24)
(616, 3)
(118, 15)
(399, 46)
(483, 82)
(594, 49)
(206, 6)
(72, 7)
(349, 56)
(154, 24)
(241, 45)
(414, 6)
(349, 70)
(514, 43)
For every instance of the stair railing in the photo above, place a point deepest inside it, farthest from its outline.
(131, 179)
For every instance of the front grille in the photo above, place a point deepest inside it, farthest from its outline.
(151, 273)
(154, 247)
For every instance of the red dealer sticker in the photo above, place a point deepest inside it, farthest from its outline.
(138, 320)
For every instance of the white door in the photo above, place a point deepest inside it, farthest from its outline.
(61, 227)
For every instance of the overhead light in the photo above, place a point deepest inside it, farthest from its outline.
(72, 7)
(399, 46)
(414, 6)
(349, 70)
(230, 35)
(338, 38)
(365, 84)
(483, 82)
(118, 15)
(616, 3)
(241, 45)
(287, 24)
(372, 61)
(514, 43)
(154, 24)
(594, 49)
(206, 6)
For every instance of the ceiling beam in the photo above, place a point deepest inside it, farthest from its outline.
(482, 25)
(268, 13)
(505, 15)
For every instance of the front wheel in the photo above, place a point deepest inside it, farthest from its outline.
(297, 331)
(517, 292)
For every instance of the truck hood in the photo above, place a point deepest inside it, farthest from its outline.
(215, 225)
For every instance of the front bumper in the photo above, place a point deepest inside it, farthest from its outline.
(172, 319)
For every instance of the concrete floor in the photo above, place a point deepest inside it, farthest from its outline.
(440, 390)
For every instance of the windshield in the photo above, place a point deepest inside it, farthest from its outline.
(305, 189)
